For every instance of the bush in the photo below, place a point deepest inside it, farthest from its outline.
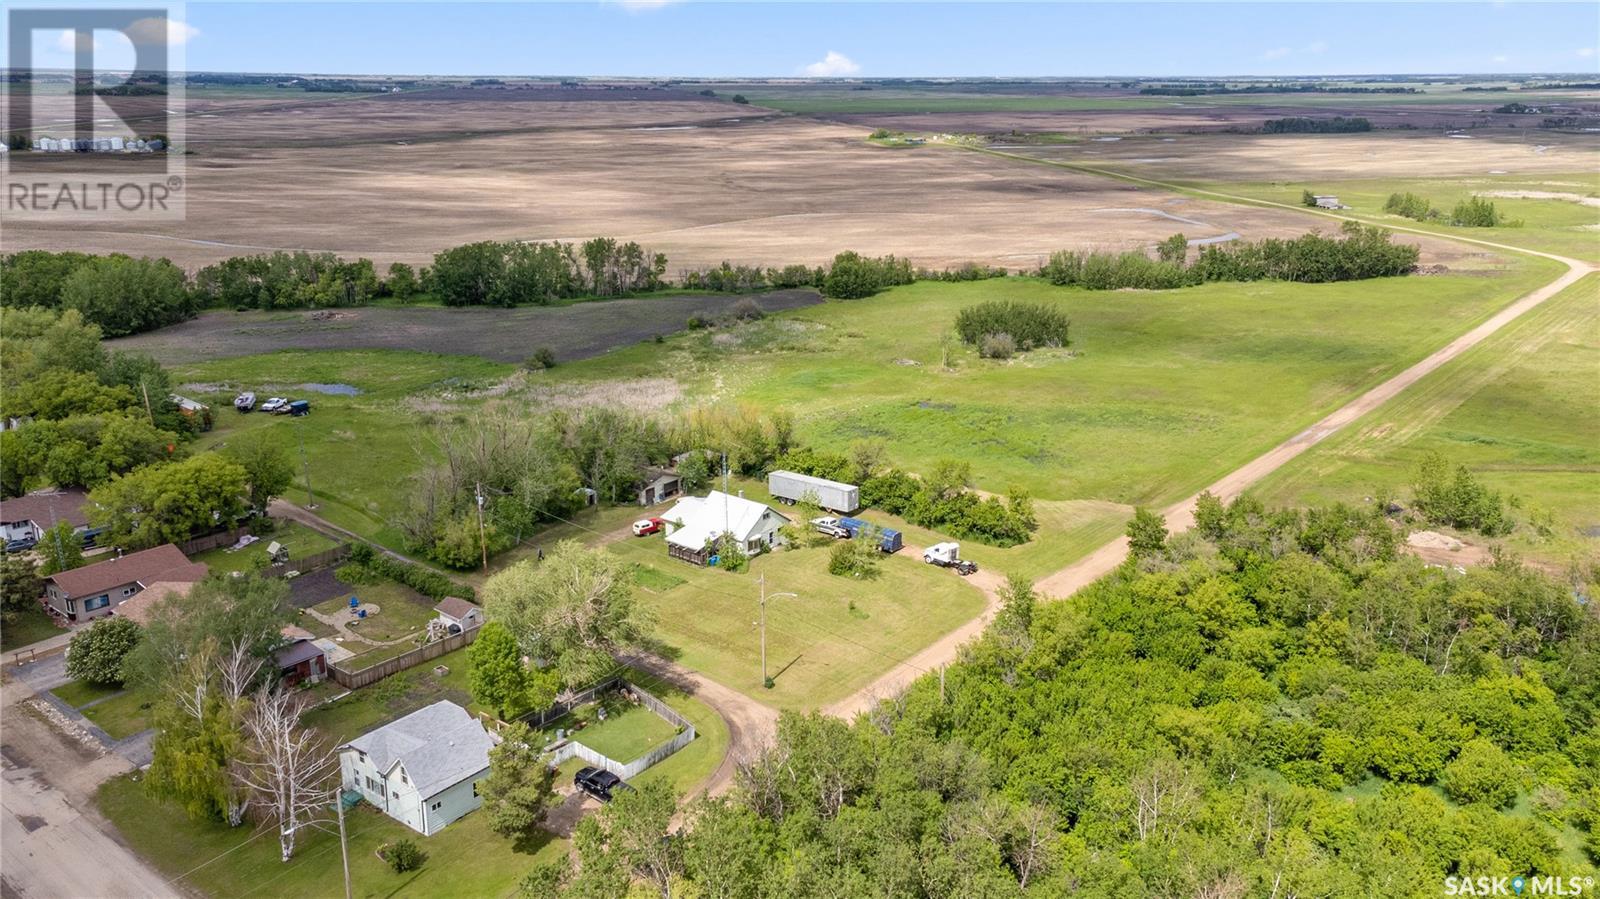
(857, 558)
(1411, 206)
(95, 655)
(404, 855)
(423, 580)
(696, 323)
(1480, 773)
(997, 346)
(542, 358)
(1026, 325)
(1476, 212)
(1455, 498)
(853, 276)
(746, 310)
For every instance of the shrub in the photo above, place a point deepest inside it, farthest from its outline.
(356, 575)
(746, 310)
(740, 99)
(95, 655)
(696, 323)
(542, 358)
(1476, 212)
(857, 558)
(404, 855)
(853, 276)
(1410, 206)
(997, 346)
(1307, 198)
(1025, 325)
(1455, 498)
(423, 580)
(1480, 773)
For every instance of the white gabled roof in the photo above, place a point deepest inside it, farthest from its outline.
(440, 746)
(707, 517)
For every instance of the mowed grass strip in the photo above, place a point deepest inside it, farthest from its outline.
(1519, 409)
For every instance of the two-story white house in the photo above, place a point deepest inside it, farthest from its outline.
(422, 770)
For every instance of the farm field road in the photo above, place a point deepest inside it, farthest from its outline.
(1180, 517)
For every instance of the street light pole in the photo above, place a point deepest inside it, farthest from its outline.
(764, 597)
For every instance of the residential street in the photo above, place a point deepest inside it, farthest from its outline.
(52, 843)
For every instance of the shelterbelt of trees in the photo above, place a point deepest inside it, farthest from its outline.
(123, 295)
(1275, 704)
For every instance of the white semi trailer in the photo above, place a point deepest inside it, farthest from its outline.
(791, 487)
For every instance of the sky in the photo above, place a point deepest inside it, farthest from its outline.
(646, 38)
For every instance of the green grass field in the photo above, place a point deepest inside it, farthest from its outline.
(401, 611)
(819, 647)
(1560, 226)
(359, 448)
(1160, 393)
(1519, 409)
(464, 859)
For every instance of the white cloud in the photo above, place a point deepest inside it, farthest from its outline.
(833, 65)
(1499, 58)
(1276, 53)
(1317, 47)
(1585, 52)
(149, 31)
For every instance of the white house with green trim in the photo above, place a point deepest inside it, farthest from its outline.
(422, 770)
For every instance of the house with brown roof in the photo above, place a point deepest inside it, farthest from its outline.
(95, 591)
(28, 517)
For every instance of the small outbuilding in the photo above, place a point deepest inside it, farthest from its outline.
(459, 614)
(301, 662)
(660, 485)
(422, 770)
(1327, 201)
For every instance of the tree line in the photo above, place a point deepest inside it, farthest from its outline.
(1362, 251)
(1306, 125)
(1472, 212)
(1276, 703)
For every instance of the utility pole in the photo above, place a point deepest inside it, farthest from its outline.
(305, 464)
(765, 681)
(483, 543)
(344, 851)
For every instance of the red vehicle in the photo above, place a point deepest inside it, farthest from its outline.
(644, 527)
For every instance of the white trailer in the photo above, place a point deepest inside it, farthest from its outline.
(791, 487)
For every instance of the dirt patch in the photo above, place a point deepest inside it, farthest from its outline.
(1543, 195)
(579, 331)
(1444, 550)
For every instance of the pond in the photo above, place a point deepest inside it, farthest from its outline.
(333, 389)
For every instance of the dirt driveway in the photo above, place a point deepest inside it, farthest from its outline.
(579, 331)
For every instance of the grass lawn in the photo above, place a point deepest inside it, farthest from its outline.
(298, 539)
(1518, 409)
(687, 768)
(80, 693)
(464, 859)
(122, 716)
(395, 697)
(401, 611)
(834, 638)
(30, 627)
(628, 732)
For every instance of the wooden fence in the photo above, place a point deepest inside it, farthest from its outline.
(212, 541)
(539, 719)
(312, 562)
(427, 652)
(625, 770)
